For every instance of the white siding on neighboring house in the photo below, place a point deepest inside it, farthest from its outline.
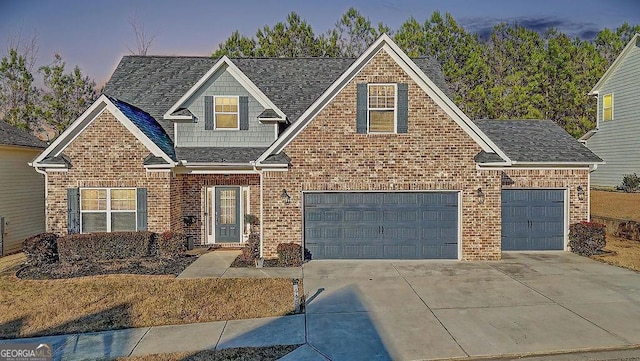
(21, 196)
(617, 141)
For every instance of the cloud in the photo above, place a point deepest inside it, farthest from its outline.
(484, 26)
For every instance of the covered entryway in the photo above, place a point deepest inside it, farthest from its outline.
(381, 225)
(533, 219)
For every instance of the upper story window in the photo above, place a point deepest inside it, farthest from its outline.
(226, 112)
(382, 108)
(107, 209)
(607, 107)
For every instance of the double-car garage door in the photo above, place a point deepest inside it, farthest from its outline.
(381, 225)
(423, 225)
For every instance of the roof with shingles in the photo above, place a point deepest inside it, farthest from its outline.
(145, 122)
(535, 141)
(10, 135)
(155, 83)
(219, 154)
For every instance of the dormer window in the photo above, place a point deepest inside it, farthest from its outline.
(226, 112)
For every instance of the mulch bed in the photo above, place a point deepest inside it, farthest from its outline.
(239, 354)
(144, 266)
(241, 262)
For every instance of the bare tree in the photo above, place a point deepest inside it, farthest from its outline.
(27, 48)
(143, 40)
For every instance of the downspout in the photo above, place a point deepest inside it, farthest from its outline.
(46, 194)
(253, 163)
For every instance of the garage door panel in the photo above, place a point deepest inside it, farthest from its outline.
(533, 219)
(382, 225)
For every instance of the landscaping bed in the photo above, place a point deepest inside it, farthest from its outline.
(622, 253)
(143, 266)
(240, 354)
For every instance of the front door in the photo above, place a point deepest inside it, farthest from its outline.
(227, 214)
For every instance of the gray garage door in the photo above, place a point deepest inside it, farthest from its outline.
(532, 219)
(367, 225)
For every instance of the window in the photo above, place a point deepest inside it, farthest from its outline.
(108, 210)
(607, 107)
(382, 108)
(226, 112)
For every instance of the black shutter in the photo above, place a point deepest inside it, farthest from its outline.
(243, 112)
(208, 113)
(361, 109)
(403, 108)
(141, 210)
(73, 210)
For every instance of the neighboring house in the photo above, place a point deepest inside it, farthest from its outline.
(22, 189)
(616, 138)
(352, 158)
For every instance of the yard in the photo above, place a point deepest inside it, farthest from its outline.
(48, 307)
(624, 252)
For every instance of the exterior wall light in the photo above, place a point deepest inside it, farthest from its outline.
(581, 193)
(285, 196)
(480, 195)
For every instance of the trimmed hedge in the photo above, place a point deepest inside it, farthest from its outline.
(629, 230)
(106, 246)
(289, 255)
(631, 183)
(172, 244)
(41, 249)
(587, 238)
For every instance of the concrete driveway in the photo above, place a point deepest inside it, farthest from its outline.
(415, 310)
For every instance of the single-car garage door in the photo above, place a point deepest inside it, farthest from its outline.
(377, 225)
(532, 219)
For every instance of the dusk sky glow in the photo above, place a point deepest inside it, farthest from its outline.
(95, 34)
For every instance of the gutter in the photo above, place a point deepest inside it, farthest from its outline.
(46, 193)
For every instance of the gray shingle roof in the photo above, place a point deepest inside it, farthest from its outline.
(280, 158)
(62, 159)
(10, 135)
(218, 154)
(155, 83)
(535, 141)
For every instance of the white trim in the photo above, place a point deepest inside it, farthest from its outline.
(215, 113)
(459, 205)
(238, 75)
(108, 211)
(385, 43)
(211, 217)
(533, 168)
(395, 107)
(634, 40)
(612, 105)
(567, 200)
(94, 111)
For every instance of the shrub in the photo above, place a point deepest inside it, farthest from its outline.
(629, 230)
(289, 255)
(251, 249)
(631, 182)
(41, 249)
(172, 244)
(587, 238)
(106, 246)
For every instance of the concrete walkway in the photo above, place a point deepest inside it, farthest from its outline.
(527, 304)
(216, 264)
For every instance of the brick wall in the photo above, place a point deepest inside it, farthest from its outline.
(107, 155)
(435, 154)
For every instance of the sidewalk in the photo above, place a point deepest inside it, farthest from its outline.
(257, 332)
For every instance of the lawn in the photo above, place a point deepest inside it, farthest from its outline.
(47, 307)
(624, 253)
(616, 204)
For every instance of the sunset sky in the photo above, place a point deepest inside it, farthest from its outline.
(95, 34)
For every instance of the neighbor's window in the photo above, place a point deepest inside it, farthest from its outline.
(107, 209)
(607, 107)
(226, 112)
(382, 108)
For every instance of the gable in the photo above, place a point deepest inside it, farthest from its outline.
(141, 126)
(384, 43)
(194, 133)
(630, 49)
